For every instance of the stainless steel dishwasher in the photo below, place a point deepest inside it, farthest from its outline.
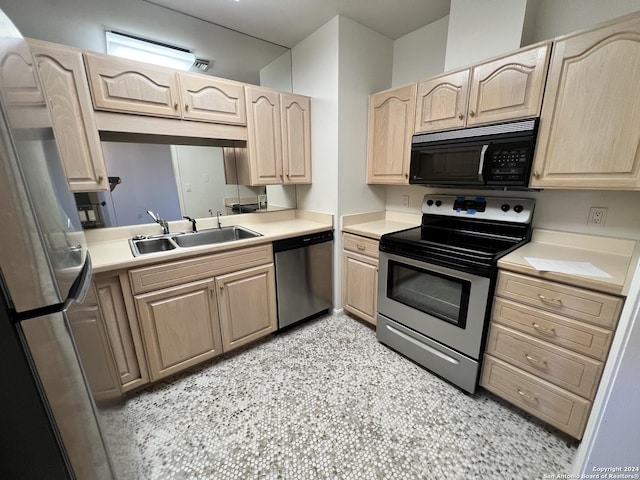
(304, 280)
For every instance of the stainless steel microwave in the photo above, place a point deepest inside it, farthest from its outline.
(491, 156)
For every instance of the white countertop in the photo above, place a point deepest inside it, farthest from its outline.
(376, 224)
(110, 250)
(615, 256)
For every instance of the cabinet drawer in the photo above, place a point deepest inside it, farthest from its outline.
(578, 336)
(569, 370)
(593, 307)
(170, 274)
(554, 405)
(361, 245)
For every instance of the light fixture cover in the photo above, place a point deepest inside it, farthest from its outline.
(145, 51)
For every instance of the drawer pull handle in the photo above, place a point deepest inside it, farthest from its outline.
(532, 398)
(537, 361)
(540, 328)
(361, 247)
(552, 301)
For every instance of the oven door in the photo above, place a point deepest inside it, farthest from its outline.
(446, 305)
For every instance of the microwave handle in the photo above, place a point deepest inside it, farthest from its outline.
(481, 165)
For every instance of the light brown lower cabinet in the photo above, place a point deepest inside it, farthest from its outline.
(94, 350)
(546, 347)
(180, 327)
(122, 330)
(194, 309)
(247, 305)
(360, 276)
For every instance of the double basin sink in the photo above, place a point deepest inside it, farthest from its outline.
(171, 241)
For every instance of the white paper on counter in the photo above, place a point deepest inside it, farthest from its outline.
(565, 266)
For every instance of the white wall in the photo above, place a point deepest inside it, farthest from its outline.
(277, 74)
(480, 30)
(554, 18)
(315, 73)
(420, 54)
(365, 64)
(82, 23)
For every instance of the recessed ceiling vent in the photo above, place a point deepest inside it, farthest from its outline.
(200, 64)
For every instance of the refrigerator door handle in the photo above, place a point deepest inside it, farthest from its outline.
(81, 286)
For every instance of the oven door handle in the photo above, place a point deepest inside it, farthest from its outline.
(424, 346)
(481, 164)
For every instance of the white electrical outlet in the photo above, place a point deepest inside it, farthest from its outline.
(405, 200)
(597, 216)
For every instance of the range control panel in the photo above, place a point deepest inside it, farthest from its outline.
(519, 210)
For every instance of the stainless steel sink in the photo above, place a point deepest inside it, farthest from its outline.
(216, 235)
(156, 244)
(151, 245)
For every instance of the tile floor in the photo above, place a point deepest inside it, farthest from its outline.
(325, 400)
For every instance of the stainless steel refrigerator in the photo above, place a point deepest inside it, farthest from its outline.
(48, 423)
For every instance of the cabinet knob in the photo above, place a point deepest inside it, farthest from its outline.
(100, 178)
(175, 106)
(460, 116)
(406, 175)
(472, 113)
(186, 107)
(221, 287)
(536, 174)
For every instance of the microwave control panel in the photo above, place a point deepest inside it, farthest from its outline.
(507, 164)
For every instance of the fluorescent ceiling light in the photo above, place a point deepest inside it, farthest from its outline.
(144, 51)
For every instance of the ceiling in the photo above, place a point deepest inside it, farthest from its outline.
(287, 22)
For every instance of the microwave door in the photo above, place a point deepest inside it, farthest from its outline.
(448, 166)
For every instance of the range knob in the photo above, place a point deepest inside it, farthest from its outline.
(429, 202)
(518, 208)
(438, 203)
(505, 207)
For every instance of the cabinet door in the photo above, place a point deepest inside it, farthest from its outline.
(264, 134)
(508, 88)
(360, 286)
(247, 301)
(590, 124)
(391, 121)
(94, 351)
(209, 99)
(442, 102)
(65, 83)
(121, 325)
(180, 327)
(296, 137)
(122, 85)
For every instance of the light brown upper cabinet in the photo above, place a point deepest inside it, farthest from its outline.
(120, 85)
(65, 84)
(391, 121)
(278, 138)
(506, 88)
(210, 99)
(590, 124)
(295, 114)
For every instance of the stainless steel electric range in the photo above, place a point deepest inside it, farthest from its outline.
(436, 281)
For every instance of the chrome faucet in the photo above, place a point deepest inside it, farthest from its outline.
(218, 213)
(163, 223)
(193, 223)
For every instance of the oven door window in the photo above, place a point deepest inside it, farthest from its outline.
(433, 293)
